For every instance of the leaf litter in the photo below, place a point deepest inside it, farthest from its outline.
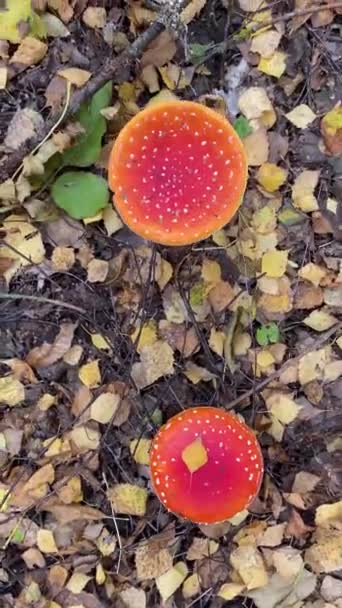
(104, 337)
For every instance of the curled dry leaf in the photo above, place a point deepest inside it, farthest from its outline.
(47, 354)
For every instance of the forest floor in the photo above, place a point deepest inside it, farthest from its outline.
(105, 336)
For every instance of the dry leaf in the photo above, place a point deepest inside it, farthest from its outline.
(48, 354)
(271, 177)
(191, 586)
(129, 499)
(71, 492)
(104, 407)
(133, 598)
(220, 296)
(111, 220)
(275, 65)
(192, 10)
(201, 547)
(325, 555)
(85, 438)
(303, 191)
(140, 450)
(273, 536)
(25, 239)
(156, 360)
(160, 51)
(265, 43)
(247, 561)
(320, 320)
(145, 335)
(99, 342)
(329, 515)
(196, 373)
(229, 591)
(46, 541)
(301, 116)
(95, 17)
(12, 392)
(311, 366)
(216, 341)
(179, 337)
(171, 580)
(254, 102)
(274, 263)
(77, 582)
(73, 355)
(97, 271)
(256, 146)
(29, 52)
(313, 273)
(152, 560)
(305, 482)
(90, 374)
(63, 258)
(75, 76)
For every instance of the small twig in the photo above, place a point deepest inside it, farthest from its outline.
(257, 389)
(41, 299)
(115, 526)
(298, 13)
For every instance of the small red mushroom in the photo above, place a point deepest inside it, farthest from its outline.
(206, 465)
(178, 170)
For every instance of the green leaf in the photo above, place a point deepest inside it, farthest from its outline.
(289, 216)
(37, 26)
(87, 149)
(18, 536)
(198, 51)
(197, 294)
(80, 193)
(267, 334)
(242, 127)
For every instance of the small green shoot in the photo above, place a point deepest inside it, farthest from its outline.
(267, 334)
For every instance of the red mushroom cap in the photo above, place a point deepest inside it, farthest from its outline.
(231, 472)
(179, 171)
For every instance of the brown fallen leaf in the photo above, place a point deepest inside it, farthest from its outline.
(66, 514)
(47, 354)
(151, 560)
(75, 76)
(30, 51)
(95, 17)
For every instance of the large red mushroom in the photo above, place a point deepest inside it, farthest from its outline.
(206, 465)
(178, 171)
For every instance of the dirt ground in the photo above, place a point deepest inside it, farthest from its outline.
(248, 320)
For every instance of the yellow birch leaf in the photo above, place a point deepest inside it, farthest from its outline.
(329, 515)
(100, 575)
(282, 407)
(77, 582)
(171, 580)
(140, 450)
(104, 407)
(301, 116)
(46, 542)
(12, 392)
(313, 273)
(248, 562)
(229, 591)
(275, 65)
(85, 438)
(128, 498)
(320, 320)
(265, 43)
(211, 271)
(145, 335)
(303, 191)
(274, 263)
(195, 455)
(111, 220)
(271, 177)
(12, 14)
(76, 76)
(89, 374)
(312, 365)
(99, 342)
(216, 341)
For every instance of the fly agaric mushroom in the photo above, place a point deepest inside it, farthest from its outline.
(206, 465)
(178, 170)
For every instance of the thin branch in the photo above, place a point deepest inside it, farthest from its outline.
(42, 300)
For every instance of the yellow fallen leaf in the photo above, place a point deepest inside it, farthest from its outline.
(191, 586)
(106, 543)
(29, 52)
(128, 499)
(63, 258)
(166, 272)
(133, 598)
(156, 360)
(192, 10)
(332, 371)
(254, 102)
(313, 273)
(104, 407)
(271, 177)
(264, 361)
(73, 355)
(242, 342)
(201, 547)
(46, 401)
(282, 407)
(256, 147)
(97, 271)
(274, 263)
(264, 220)
(303, 191)
(196, 373)
(301, 116)
(99, 342)
(12, 392)
(100, 575)
(77, 582)
(288, 562)
(216, 341)
(71, 492)
(326, 554)
(275, 65)
(95, 17)
(46, 542)
(169, 582)
(75, 76)
(265, 43)
(90, 374)
(145, 335)
(195, 455)
(25, 241)
(211, 271)
(320, 320)
(329, 515)
(152, 559)
(311, 366)
(3, 78)
(248, 562)
(85, 438)
(93, 218)
(174, 77)
(163, 95)
(339, 342)
(140, 450)
(111, 220)
(11, 16)
(229, 591)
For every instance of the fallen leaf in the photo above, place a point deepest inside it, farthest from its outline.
(247, 561)
(29, 52)
(85, 437)
(320, 320)
(151, 559)
(171, 580)
(274, 263)
(90, 374)
(254, 103)
(271, 177)
(95, 17)
(283, 592)
(201, 547)
(265, 43)
(192, 10)
(145, 335)
(14, 14)
(73, 355)
(62, 259)
(220, 296)
(77, 582)
(99, 342)
(275, 65)
(46, 542)
(216, 341)
(104, 407)
(71, 492)
(325, 555)
(128, 499)
(313, 273)
(48, 354)
(26, 242)
(332, 371)
(140, 450)
(257, 147)
(97, 271)
(75, 76)
(156, 360)
(46, 401)
(133, 598)
(3, 77)
(111, 220)
(195, 455)
(311, 366)
(303, 191)
(301, 116)
(228, 591)
(179, 337)
(196, 373)
(160, 51)
(12, 392)
(331, 128)
(55, 28)
(191, 586)
(305, 482)
(66, 514)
